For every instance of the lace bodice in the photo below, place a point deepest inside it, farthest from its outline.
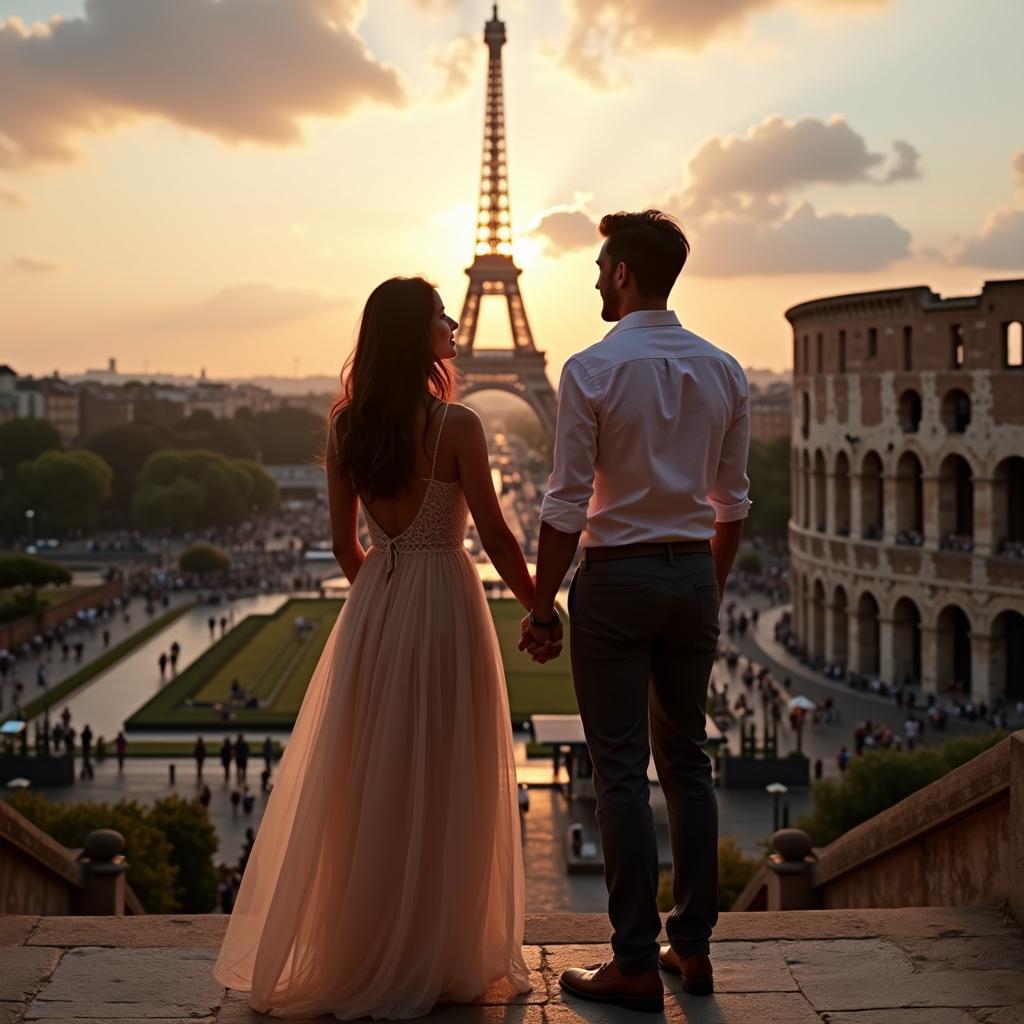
(439, 523)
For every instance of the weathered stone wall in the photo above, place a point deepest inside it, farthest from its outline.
(904, 466)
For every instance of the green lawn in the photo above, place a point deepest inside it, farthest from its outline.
(268, 659)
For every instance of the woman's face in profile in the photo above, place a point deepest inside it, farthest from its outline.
(442, 331)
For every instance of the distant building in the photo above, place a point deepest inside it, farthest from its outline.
(770, 412)
(103, 408)
(8, 394)
(907, 527)
(61, 406)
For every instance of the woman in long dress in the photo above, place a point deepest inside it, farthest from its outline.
(387, 873)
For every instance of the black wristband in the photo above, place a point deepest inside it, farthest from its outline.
(550, 624)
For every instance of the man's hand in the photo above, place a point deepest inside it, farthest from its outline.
(541, 644)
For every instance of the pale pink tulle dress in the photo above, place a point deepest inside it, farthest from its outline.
(387, 873)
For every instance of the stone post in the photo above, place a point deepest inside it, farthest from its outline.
(103, 871)
(790, 867)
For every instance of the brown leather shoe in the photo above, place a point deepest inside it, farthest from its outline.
(605, 983)
(694, 971)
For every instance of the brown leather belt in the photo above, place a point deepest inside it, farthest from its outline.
(654, 548)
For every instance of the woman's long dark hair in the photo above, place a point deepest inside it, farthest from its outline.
(390, 373)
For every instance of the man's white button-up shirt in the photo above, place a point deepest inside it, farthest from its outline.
(652, 437)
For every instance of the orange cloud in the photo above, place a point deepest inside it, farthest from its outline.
(31, 265)
(240, 70)
(253, 306)
(601, 30)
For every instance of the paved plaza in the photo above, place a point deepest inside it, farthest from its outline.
(913, 966)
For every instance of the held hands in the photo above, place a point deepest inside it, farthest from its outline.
(541, 644)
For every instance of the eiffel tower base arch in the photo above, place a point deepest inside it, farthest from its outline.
(517, 373)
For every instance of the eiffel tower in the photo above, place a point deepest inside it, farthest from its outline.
(520, 369)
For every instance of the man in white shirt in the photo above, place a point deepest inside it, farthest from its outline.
(650, 478)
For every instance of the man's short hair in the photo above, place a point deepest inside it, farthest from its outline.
(651, 244)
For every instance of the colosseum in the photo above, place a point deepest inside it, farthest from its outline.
(907, 525)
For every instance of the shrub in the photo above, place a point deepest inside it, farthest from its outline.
(164, 844)
(880, 778)
(735, 870)
(750, 562)
(202, 559)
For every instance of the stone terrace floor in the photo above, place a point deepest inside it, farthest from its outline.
(914, 966)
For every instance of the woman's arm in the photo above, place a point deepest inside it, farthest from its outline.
(343, 503)
(497, 539)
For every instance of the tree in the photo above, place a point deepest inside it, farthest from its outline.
(880, 778)
(768, 469)
(193, 842)
(185, 490)
(263, 487)
(65, 489)
(203, 559)
(125, 449)
(203, 430)
(23, 440)
(28, 571)
(749, 562)
(175, 506)
(735, 870)
(284, 436)
(151, 874)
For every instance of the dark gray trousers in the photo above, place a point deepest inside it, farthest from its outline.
(643, 634)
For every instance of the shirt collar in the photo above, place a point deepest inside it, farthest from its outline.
(646, 318)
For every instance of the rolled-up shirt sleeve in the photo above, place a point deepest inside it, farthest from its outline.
(571, 483)
(730, 497)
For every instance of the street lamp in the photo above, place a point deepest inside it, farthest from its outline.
(777, 790)
(30, 516)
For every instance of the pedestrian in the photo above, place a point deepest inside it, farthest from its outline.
(204, 795)
(120, 749)
(41, 676)
(227, 755)
(106, 638)
(65, 650)
(226, 888)
(843, 759)
(79, 648)
(247, 800)
(235, 800)
(265, 781)
(175, 654)
(162, 662)
(212, 623)
(87, 752)
(268, 754)
(223, 624)
(199, 753)
(250, 839)
(819, 770)
(56, 735)
(241, 757)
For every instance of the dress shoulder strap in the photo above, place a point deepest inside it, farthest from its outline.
(437, 443)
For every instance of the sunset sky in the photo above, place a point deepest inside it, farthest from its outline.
(220, 183)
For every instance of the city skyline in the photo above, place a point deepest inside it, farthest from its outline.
(230, 224)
